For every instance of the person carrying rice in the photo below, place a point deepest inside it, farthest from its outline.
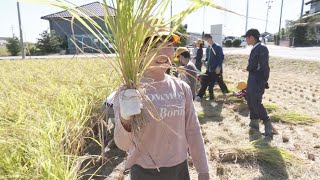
(159, 149)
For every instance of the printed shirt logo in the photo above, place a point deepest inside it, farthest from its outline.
(170, 104)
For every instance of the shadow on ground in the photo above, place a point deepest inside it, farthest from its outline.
(94, 168)
(211, 111)
(273, 166)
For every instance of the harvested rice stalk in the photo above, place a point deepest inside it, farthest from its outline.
(264, 153)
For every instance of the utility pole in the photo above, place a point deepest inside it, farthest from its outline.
(21, 38)
(302, 6)
(171, 13)
(269, 7)
(278, 39)
(247, 16)
(203, 15)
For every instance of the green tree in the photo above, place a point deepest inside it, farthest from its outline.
(283, 34)
(236, 43)
(311, 33)
(300, 34)
(183, 31)
(48, 43)
(13, 46)
(228, 43)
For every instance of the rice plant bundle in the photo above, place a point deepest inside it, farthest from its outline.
(260, 151)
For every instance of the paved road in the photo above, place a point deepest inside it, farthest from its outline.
(305, 53)
(308, 53)
(91, 55)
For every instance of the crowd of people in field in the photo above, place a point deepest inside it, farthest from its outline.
(160, 149)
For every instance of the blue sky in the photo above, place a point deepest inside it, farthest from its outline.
(233, 24)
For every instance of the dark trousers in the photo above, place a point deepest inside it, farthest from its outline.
(198, 65)
(207, 81)
(255, 91)
(178, 172)
(221, 83)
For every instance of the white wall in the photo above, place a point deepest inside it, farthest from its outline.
(3, 42)
(216, 33)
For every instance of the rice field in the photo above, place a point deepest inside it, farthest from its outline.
(47, 108)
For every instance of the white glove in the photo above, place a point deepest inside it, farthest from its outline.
(130, 103)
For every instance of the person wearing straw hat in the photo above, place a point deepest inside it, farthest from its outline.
(183, 55)
(199, 55)
(259, 70)
(159, 149)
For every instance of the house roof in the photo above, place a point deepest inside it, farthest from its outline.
(312, 1)
(93, 9)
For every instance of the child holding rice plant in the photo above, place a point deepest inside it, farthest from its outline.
(159, 149)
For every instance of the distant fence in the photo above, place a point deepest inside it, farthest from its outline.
(88, 44)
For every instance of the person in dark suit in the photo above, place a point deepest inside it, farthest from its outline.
(259, 70)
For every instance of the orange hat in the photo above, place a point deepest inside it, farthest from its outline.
(242, 85)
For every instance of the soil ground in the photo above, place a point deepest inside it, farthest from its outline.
(294, 88)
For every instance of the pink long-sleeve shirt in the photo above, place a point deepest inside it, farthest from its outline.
(164, 141)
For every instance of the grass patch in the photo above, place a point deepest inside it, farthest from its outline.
(227, 81)
(271, 107)
(293, 118)
(201, 114)
(232, 88)
(234, 100)
(4, 51)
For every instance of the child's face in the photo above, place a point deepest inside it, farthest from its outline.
(182, 60)
(163, 59)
